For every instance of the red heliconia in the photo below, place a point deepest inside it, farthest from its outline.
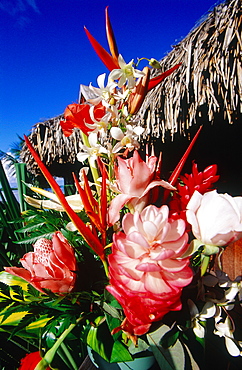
(91, 238)
(110, 60)
(200, 181)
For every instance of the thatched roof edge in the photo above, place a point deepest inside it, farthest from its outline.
(209, 80)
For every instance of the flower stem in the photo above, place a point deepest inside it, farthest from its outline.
(49, 356)
(105, 265)
(69, 356)
(94, 170)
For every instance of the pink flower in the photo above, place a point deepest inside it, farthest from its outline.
(146, 272)
(51, 266)
(135, 178)
(216, 219)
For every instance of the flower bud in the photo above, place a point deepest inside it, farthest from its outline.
(154, 63)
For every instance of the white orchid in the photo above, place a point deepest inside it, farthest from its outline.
(91, 152)
(126, 73)
(101, 93)
(126, 139)
(209, 310)
(225, 329)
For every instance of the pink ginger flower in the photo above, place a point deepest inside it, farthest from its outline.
(146, 272)
(51, 266)
(135, 178)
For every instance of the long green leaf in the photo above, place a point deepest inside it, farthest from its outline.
(12, 203)
(168, 359)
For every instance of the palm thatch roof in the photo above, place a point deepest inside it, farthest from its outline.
(57, 151)
(209, 80)
(207, 85)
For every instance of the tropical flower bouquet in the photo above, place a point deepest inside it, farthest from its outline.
(133, 263)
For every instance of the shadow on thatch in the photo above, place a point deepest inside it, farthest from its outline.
(209, 80)
(206, 90)
(56, 151)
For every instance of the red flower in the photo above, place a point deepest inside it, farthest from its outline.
(30, 361)
(79, 115)
(200, 181)
(51, 266)
(146, 270)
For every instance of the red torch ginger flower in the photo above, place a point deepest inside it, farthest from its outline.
(135, 178)
(200, 181)
(146, 272)
(51, 266)
(30, 361)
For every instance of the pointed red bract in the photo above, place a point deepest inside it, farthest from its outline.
(89, 203)
(156, 80)
(105, 57)
(174, 176)
(96, 212)
(91, 240)
(111, 38)
(138, 94)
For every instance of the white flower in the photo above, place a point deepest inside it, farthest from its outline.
(224, 329)
(91, 152)
(216, 219)
(96, 94)
(126, 139)
(208, 310)
(126, 73)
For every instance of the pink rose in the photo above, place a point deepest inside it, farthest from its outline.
(146, 272)
(135, 178)
(51, 266)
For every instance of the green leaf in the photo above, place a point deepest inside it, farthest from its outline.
(168, 359)
(111, 311)
(37, 324)
(170, 338)
(11, 280)
(12, 315)
(54, 328)
(110, 350)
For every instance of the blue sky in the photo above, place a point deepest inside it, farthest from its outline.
(45, 54)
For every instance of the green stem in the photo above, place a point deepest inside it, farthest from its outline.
(105, 265)
(94, 170)
(69, 356)
(48, 357)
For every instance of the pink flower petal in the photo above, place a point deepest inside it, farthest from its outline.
(115, 206)
(148, 267)
(155, 284)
